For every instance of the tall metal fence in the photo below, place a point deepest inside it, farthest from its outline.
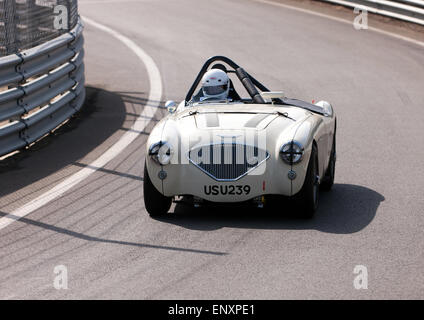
(42, 77)
(27, 23)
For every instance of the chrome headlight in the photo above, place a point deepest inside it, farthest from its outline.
(161, 152)
(292, 152)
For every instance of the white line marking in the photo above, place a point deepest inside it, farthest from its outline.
(318, 14)
(140, 124)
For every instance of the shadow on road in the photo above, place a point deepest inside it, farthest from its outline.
(346, 209)
(86, 237)
(102, 115)
(133, 97)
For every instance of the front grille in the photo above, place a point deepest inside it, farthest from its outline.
(227, 162)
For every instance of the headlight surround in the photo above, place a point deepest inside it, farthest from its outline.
(161, 152)
(292, 152)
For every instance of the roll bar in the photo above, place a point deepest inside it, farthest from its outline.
(251, 85)
(237, 69)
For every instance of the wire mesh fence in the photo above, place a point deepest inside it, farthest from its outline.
(27, 23)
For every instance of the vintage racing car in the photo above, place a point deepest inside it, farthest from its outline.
(239, 150)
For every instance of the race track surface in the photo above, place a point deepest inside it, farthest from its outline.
(99, 229)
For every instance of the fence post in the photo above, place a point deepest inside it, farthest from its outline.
(69, 6)
(32, 23)
(10, 27)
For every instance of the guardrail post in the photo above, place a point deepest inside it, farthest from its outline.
(10, 27)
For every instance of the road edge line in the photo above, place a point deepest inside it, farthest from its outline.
(139, 125)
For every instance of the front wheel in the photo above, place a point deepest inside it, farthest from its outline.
(307, 198)
(155, 202)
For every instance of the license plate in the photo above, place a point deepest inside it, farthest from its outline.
(236, 190)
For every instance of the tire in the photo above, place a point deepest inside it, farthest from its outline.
(155, 202)
(328, 179)
(308, 196)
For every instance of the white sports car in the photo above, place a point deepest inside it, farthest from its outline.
(240, 150)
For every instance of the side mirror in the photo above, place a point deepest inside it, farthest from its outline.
(171, 106)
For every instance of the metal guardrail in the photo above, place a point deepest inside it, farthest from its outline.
(44, 88)
(407, 10)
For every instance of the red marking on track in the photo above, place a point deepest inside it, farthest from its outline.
(263, 186)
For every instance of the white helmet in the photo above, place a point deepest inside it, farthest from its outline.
(215, 85)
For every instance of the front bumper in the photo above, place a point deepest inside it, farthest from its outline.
(270, 177)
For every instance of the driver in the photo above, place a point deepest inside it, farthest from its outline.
(215, 85)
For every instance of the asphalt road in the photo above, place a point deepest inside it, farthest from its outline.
(100, 230)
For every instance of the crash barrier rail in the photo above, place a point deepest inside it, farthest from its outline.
(25, 24)
(40, 88)
(407, 10)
